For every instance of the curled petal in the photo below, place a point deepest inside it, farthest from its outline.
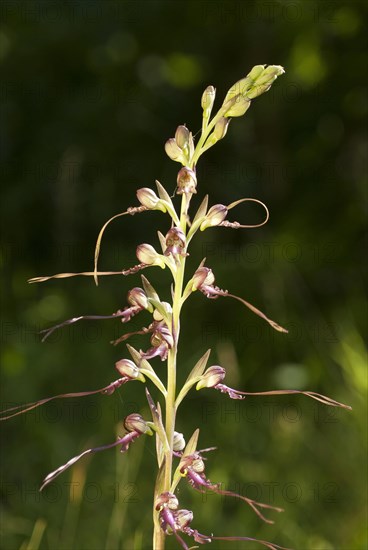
(237, 225)
(314, 395)
(66, 275)
(259, 313)
(129, 334)
(192, 467)
(124, 441)
(131, 211)
(252, 503)
(20, 409)
(203, 539)
(269, 545)
(214, 292)
(126, 313)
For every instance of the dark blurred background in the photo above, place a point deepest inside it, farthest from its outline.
(90, 93)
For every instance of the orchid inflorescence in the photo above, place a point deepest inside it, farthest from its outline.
(164, 329)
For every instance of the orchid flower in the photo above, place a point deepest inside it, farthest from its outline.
(125, 367)
(203, 280)
(174, 521)
(135, 426)
(193, 468)
(214, 375)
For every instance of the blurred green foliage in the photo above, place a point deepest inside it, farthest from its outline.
(90, 92)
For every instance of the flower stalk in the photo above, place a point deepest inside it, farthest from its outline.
(164, 329)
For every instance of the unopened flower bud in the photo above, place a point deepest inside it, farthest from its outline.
(255, 83)
(243, 86)
(256, 72)
(183, 518)
(127, 368)
(137, 297)
(212, 376)
(214, 216)
(203, 276)
(186, 180)
(221, 127)
(167, 500)
(182, 137)
(148, 198)
(173, 151)
(269, 74)
(175, 241)
(146, 254)
(179, 441)
(239, 89)
(208, 99)
(264, 81)
(240, 107)
(135, 423)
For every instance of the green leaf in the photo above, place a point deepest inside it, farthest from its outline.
(202, 210)
(193, 377)
(189, 450)
(157, 420)
(188, 289)
(159, 486)
(159, 448)
(167, 202)
(138, 359)
(148, 288)
(192, 444)
(198, 218)
(162, 241)
(199, 367)
(145, 368)
(163, 194)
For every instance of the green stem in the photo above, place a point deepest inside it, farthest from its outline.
(205, 133)
(159, 536)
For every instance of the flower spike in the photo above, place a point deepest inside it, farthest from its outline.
(163, 329)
